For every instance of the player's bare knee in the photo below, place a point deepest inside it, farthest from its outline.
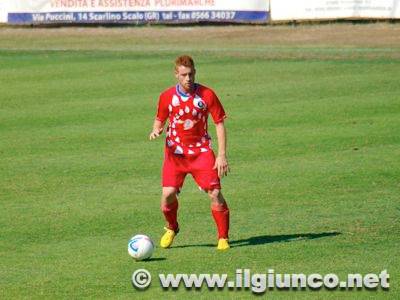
(168, 194)
(216, 196)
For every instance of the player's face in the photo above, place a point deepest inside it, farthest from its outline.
(185, 76)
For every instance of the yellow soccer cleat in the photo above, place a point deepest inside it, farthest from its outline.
(167, 238)
(223, 244)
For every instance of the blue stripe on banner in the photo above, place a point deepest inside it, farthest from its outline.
(138, 17)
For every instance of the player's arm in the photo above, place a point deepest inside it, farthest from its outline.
(221, 163)
(161, 117)
(158, 127)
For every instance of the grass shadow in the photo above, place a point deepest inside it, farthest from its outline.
(267, 239)
(153, 259)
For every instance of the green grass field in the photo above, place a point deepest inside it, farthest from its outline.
(314, 150)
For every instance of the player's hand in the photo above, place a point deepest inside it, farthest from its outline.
(155, 133)
(221, 164)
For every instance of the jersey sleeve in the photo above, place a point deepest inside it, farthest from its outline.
(162, 109)
(216, 109)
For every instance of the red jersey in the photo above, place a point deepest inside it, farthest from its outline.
(187, 115)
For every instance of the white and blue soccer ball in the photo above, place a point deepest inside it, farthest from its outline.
(140, 247)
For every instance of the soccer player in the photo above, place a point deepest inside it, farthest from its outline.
(188, 148)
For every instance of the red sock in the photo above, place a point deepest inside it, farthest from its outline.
(221, 217)
(170, 212)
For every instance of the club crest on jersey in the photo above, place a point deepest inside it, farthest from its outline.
(199, 103)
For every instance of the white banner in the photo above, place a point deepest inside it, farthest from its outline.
(142, 5)
(135, 11)
(3, 12)
(284, 10)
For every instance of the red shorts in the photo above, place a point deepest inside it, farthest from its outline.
(176, 167)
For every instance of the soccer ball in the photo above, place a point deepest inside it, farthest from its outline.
(140, 247)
